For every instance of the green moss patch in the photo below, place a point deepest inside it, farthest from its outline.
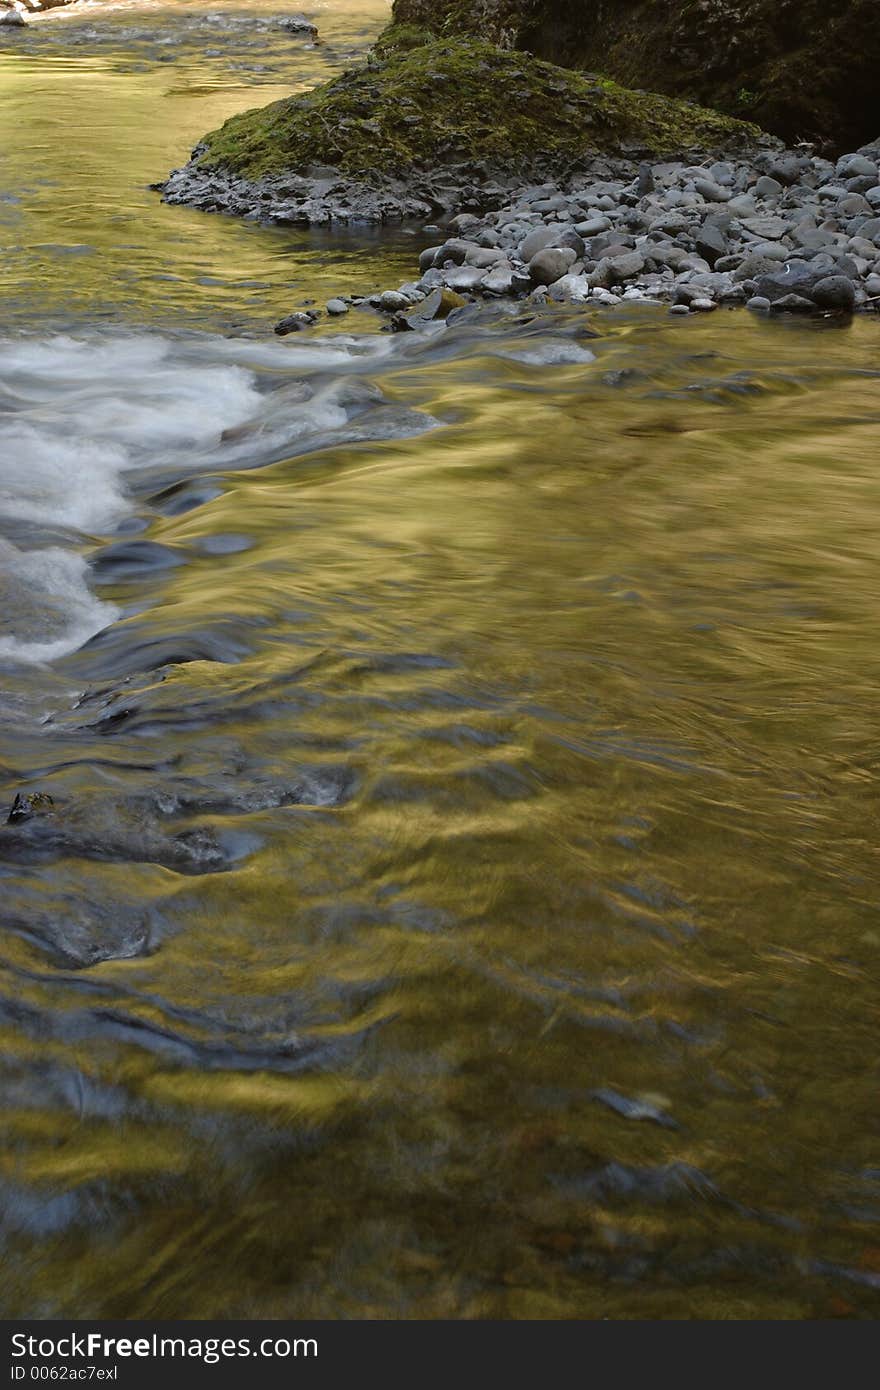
(495, 21)
(400, 38)
(804, 69)
(447, 102)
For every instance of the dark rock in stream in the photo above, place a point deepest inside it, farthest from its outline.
(834, 292)
(295, 323)
(298, 24)
(38, 831)
(128, 560)
(29, 804)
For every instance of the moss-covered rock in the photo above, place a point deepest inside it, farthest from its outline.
(447, 102)
(400, 38)
(501, 22)
(804, 69)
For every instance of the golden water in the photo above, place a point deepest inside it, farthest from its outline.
(461, 899)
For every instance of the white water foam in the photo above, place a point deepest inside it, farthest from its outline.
(79, 413)
(555, 354)
(296, 351)
(47, 600)
(76, 415)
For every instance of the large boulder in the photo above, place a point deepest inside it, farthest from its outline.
(804, 69)
(459, 104)
(812, 282)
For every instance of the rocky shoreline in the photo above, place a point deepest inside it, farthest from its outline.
(318, 198)
(540, 182)
(786, 231)
(780, 231)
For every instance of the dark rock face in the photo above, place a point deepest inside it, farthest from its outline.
(804, 69)
(497, 21)
(804, 286)
(834, 292)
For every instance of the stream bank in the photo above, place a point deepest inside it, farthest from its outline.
(572, 187)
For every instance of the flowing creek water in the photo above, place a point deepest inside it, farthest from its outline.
(461, 895)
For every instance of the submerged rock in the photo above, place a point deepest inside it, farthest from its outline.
(436, 305)
(298, 24)
(29, 804)
(792, 304)
(295, 323)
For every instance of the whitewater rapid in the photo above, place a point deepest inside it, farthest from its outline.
(85, 419)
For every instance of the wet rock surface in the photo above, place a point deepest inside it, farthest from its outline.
(290, 200)
(788, 235)
(299, 24)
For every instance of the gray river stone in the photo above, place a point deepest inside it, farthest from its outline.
(536, 241)
(855, 165)
(767, 228)
(798, 277)
(390, 301)
(792, 304)
(767, 187)
(711, 192)
(483, 258)
(626, 267)
(834, 292)
(776, 227)
(711, 243)
(455, 251)
(551, 264)
(463, 279)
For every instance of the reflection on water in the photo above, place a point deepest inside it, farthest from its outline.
(101, 101)
(460, 897)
